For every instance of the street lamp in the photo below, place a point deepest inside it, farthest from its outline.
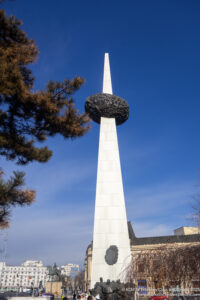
(32, 287)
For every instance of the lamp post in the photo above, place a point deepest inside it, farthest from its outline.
(32, 287)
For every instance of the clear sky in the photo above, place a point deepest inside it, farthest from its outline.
(154, 49)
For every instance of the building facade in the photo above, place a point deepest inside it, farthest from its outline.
(70, 270)
(31, 274)
(184, 238)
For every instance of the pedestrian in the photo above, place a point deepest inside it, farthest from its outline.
(90, 298)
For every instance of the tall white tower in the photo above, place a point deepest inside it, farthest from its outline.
(111, 245)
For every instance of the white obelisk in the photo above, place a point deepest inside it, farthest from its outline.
(110, 221)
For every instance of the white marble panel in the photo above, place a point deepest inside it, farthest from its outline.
(107, 84)
(108, 187)
(109, 176)
(110, 213)
(107, 155)
(102, 226)
(104, 200)
(115, 201)
(108, 165)
(116, 213)
(117, 226)
(110, 200)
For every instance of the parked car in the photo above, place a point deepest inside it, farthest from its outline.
(161, 297)
(48, 295)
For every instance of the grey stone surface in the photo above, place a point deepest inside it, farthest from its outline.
(108, 106)
(166, 239)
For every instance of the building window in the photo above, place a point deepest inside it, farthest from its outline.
(141, 267)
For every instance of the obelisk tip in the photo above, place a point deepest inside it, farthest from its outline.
(107, 84)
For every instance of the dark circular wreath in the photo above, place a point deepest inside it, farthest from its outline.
(108, 106)
(111, 255)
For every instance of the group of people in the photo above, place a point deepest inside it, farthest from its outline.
(84, 296)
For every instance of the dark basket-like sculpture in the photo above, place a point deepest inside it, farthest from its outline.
(108, 106)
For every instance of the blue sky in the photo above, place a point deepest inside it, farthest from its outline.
(154, 51)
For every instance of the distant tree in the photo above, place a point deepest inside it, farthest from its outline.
(28, 117)
(163, 265)
(196, 210)
(79, 280)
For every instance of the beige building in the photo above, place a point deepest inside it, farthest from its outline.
(187, 230)
(183, 237)
(54, 287)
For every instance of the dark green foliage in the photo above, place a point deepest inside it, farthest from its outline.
(27, 116)
(12, 194)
